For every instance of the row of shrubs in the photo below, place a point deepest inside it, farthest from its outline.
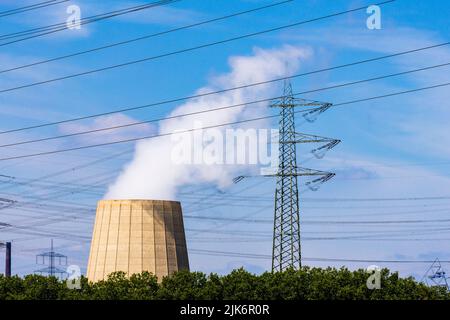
(305, 284)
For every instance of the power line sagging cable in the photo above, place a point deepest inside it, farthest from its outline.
(212, 126)
(42, 31)
(168, 101)
(35, 6)
(111, 45)
(264, 256)
(125, 64)
(217, 108)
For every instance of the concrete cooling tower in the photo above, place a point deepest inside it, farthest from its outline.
(135, 236)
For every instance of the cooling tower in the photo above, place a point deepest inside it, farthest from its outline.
(135, 236)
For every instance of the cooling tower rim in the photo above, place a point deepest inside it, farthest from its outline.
(149, 201)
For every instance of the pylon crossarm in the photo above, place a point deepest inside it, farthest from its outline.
(238, 179)
(320, 152)
(290, 101)
(330, 145)
(50, 254)
(49, 269)
(299, 172)
(313, 114)
(321, 180)
(292, 174)
(324, 177)
(309, 138)
(295, 103)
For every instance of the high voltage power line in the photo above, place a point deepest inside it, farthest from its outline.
(343, 235)
(377, 199)
(214, 218)
(321, 239)
(235, 198)
(263, 256)
(214, 126)
(372, 199)
(234, 220)
(255, 237)
(233, 203)
(36, 200)
(74, 169)
(309, 222)
(74, 191)
(20, 205)
(35, 6)
(42, 31)
(49, 197)
(60, 206)
(319, 199)
(64, 24)
(425, 230)
(219, 108)
(228, 201)
(329, 238)
(228, 89)
(111, 45)
(120, 65)
(19, 181)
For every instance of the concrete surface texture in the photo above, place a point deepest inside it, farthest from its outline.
(135, 236)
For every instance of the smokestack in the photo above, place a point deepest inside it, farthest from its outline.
(8, 260)
(135, 236)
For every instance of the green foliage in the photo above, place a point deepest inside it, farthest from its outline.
(305, 284)
(240, 285)
(183, 285)
(142, 286)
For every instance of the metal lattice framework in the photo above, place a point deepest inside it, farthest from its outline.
(436, 276)
(286, 238)
(51, 257)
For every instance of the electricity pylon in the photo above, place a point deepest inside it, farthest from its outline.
(286, 231)
(436, 276)
(51, 270)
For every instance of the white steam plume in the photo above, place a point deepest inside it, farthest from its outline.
(153, 175)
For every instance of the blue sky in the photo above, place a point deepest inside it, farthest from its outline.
(392, 148)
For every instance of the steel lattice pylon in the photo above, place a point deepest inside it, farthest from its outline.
(286, 238)
(436, 276)
(51, 270)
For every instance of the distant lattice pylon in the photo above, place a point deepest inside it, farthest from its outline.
(49, 258)
(436, 276)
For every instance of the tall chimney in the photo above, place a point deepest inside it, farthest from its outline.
(8, 260)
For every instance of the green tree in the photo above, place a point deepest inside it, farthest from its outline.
(305, 284)
(183, 285)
